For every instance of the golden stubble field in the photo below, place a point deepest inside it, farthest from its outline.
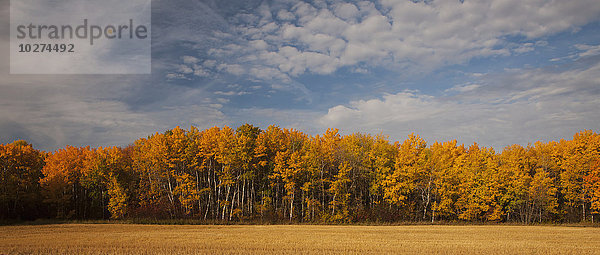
(296, 239)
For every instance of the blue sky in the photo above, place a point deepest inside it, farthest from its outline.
(495, 72)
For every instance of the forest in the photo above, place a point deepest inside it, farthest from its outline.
(284, 175)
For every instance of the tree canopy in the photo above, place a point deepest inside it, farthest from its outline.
(249, 174)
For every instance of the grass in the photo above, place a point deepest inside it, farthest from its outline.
(295, 239)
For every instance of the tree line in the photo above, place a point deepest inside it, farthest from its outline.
(249, 174)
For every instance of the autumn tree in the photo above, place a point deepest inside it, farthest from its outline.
(381, 163)
(515, 180)
(155, 191)
(545, 186)
(351, 185)
(63, 184)
(222, 174)
(448, 179)
(578, 157)
(479, 190)
(109, 172)
(290, 171)
(411, 174)
(592, 187)
(20, 171)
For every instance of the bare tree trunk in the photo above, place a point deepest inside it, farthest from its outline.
(207, 209)
(233, 199)
(208, 204)
(276, 197)
(243, 196)
(217, 198)
(428, 198)
(171, 197)
(262, 199)
(252, 194)
(322, 190)
(292, 206)
(302, 204)
(198, 190)
(226, 200)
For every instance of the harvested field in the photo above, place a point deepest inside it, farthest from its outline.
(294, 239)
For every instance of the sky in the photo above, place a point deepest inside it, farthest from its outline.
(495, 72)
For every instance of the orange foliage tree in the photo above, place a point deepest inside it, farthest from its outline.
(249, 174)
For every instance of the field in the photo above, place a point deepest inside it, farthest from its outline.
(294, 239)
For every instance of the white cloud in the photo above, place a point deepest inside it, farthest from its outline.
(198, 71)
(401, 35)
(190, 60)
(285, 15)
(185, 69)
(53, 111)
(346, 11)
(463, 88)
(524, 48)
(303, 120)
(268, 74)
(231, 93)
(588, 50)
(234, 69)
(259, 44)
(173, 76)
(210, 63)
(518, 106)
(360, 70)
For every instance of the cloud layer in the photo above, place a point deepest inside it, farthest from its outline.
(286, 39)
(518, 106)
(436, 68)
